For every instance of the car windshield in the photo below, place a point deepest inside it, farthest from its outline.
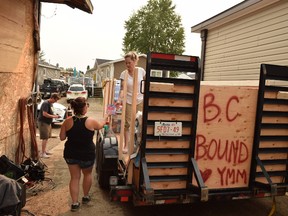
(76, 88)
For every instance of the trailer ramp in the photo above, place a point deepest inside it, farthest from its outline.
(270, 150)
(169, 129)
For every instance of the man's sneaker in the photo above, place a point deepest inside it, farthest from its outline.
(44, 155)
(75, 207)
(48, 153)
(86, 199)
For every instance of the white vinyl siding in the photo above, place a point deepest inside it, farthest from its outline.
(235, 51)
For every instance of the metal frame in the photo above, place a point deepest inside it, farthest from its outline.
(177, 65)
(274, 73)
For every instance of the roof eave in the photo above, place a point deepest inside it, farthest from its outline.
(84, 5)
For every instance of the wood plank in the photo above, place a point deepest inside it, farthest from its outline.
(132, 125)
(274, 107)
(167, 144)
(273, 144)
(279, 94)
(274, 132)
(277, 167)
(183, 89)
(274, 179)
(106, 96)
(270, 95)
(168, 185)
(167, 171)
(167, 158)
(156, 116)
(122, 128)
(273, 156)
(225, 132)
(282, 95)
(267, 119)
(167, 102)
(161, 87)
(170, 87)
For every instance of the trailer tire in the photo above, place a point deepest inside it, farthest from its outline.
(103, 179)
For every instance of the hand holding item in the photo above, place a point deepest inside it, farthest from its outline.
(118, 104)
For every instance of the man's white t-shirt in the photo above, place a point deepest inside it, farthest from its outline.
(141, 76)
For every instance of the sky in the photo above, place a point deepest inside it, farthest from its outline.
(74, 38)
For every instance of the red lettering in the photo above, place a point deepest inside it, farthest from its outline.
(200, 140)
(228, 107)
(234, 151)
(212, 149)
(225, 149)
(221, 172)
(230, 176)
(243, 154)
(209, 106)
(243, 175)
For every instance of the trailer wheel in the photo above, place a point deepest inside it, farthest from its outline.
(103, 179)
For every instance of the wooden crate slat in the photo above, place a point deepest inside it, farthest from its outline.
(273, 156)
(275, 132)
(273, 144)
(170, 102)
(274, 179)
(167, 144)
(155, 116)
(170, 87)
(167, 171)
(267, 119)
(276, 167)
(166, 158)
(275, 107)
(168, 185)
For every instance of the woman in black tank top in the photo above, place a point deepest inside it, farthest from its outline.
(79, 150)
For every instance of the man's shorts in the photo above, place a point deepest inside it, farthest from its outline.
(44, 130)
(82, 164)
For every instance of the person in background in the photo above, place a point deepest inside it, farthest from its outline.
(131, 60)
(79, 150)
(45, 118)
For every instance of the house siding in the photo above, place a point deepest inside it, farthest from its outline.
(235, 51)
(17, 69)
(47, 71)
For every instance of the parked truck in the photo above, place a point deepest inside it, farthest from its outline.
(198, 141)
(50, 86)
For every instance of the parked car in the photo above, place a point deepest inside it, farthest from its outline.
(58, 109)
(76, 90)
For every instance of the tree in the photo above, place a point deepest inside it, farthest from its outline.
(41, 56)
(155, 27)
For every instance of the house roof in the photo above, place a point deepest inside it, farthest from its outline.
(231, 14)
(100, 61)
(84, 5)
(47, 65)
(119, 60)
